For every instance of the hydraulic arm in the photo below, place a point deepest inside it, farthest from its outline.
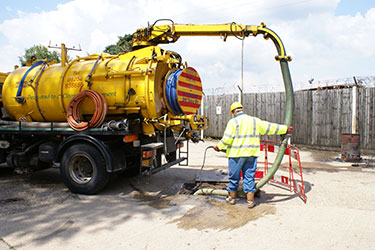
(164, 34)
(170, 33)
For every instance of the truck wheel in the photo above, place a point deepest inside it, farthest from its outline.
(83, 169)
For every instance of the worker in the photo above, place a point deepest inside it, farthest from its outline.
(242, 143)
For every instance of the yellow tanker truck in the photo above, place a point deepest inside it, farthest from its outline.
(104, 114)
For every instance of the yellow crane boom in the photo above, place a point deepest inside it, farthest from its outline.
(170, 33)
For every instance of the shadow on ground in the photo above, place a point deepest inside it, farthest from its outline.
(38, 208)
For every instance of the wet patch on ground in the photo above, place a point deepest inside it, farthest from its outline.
(158, 200)
(207, 212)
(219, 215)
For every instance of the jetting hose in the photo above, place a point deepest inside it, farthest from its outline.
(73, 115)
(204, 160)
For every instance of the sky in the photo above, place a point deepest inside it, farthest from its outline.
(327, 39)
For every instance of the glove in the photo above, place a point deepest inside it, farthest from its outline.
(289, 130)
(216, 149)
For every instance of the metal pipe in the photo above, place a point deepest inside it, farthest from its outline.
(116, 125)
(202, 113)
(354, 106)
(35, 124)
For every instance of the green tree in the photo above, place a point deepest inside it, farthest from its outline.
(123, 45)
(40, 52)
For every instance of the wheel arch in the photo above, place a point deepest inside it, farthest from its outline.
(82, 138)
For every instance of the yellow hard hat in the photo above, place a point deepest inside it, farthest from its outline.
(234, 106)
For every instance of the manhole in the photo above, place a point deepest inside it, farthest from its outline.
(191, 188)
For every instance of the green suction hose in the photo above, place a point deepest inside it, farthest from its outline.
(288, 110)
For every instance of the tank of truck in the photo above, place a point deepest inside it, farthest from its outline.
(150, 81)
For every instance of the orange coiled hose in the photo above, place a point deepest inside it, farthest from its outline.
(73, 116)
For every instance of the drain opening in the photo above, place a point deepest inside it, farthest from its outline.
(191, 187)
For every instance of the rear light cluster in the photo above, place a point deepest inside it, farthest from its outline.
(147, 158)
(130, 138)
(147, 154)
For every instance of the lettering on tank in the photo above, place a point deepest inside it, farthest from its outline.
(65, 95)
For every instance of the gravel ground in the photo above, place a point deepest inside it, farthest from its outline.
(37, 211)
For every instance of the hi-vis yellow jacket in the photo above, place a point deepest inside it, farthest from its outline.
(241, 136)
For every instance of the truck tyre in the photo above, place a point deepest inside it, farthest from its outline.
(83, 169)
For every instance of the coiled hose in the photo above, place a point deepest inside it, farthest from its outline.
(73, 115)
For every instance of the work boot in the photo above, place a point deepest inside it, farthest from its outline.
(231, 199)
(250, 200)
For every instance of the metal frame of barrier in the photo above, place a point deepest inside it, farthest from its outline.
(294, 170)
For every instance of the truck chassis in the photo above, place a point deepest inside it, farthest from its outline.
(87, 159)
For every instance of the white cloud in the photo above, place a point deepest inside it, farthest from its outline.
(322, 45)
(325, 46)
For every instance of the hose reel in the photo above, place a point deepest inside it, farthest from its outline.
(183, 91)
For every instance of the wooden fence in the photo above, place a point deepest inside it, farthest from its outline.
(320, 116)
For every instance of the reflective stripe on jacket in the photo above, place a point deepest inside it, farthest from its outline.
(241, 136)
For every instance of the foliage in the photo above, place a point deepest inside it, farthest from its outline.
(40, 52)
(122, 45)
